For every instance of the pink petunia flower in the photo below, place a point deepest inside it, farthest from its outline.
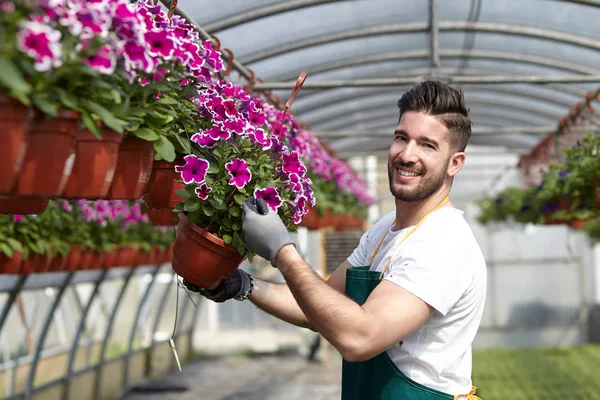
(202, 191)
(270, 196)
(42, 43)
(194, 170)
(238, 172)
(204, 140)
(104, 61)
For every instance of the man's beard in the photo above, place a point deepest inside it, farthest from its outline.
(428, 186)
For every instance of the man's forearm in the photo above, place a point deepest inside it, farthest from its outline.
(277, 300)
(339, 319)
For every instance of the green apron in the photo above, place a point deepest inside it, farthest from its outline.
(379, 378)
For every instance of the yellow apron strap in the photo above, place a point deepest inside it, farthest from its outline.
(470, 396)
(446, 199)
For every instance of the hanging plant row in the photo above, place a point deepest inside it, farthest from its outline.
(106, 99)
(568, 193)
(82, 235)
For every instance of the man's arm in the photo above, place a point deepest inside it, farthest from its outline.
(357, 332)
(277, 299)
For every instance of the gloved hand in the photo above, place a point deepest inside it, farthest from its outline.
(236, 285)
(263, 230)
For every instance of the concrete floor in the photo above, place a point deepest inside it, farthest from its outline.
(264, 377)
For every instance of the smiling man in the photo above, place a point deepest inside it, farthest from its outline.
(405, 306)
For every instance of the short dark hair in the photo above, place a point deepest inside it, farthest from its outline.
(438, 99)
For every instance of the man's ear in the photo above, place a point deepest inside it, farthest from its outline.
(456, 162)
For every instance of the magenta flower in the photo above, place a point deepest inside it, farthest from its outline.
(194, 170)
(84, 20)
(203, 140)
(104, 61)
(270, 196)
(217, 132)
(256, 118)
(42, 43)
(237, 125)
(203, 190)
(160, 44)
(292, 164)
(238, 172)
(136, 58)
(259, 136)
(18, 218)
(68, 207)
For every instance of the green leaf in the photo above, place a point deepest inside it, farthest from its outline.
(239, 198)
(14, 244)
(178, 207)
(237, 240)
(12, 78)
(168, 101)
(146, 134)
(227, 239)
(235, 211)
(106, 116)
(226, 222)
(217, 153)
(67, 99)
(250, 257)
(90, 124)
(208, 211)
(191, 205)
(236, 226)
(213, 168)
(183, 193)
(44, 104)
(183, 145)
(164, 148)
(7, 251)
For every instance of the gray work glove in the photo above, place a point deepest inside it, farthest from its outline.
(236, 285)
(263, 230)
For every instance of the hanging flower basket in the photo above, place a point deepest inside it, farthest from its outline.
(202, 258)
(110, 258)
(126, 257)
(35, 263)
(14, 121)
(162, 185)
(133, 169)
(23, 205)
(11, 265)
(311, 220)
(58, 263)
(95, 163)
(50, 155)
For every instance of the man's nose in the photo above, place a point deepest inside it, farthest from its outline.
(409, 154)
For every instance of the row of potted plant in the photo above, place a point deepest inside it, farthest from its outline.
(215, 144)
(567, 194)
(81, 235)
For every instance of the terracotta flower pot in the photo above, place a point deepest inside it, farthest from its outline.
(202, 258)
(133, 169)
(95, 163)
(326, 219)
(143, 257)
(97, 261)
(162, 216)
(50, 156)
(11, 265)
(126, 257)
(339, 222)
(23, 205)
(311, 219)
(58, 263)
(73, 258)
(110, 258)
(35, 263)
(14, 123)
(577, 224)
(161, 188)
(86, 260)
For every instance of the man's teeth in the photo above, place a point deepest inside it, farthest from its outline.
(407, 173)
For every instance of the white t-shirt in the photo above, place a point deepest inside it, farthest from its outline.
(442, 264)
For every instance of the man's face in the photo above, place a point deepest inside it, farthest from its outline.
(419, 157)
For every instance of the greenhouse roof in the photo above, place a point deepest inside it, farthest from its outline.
(521, 63)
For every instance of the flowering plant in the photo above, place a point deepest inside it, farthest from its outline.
(233, 157)
(127, 65)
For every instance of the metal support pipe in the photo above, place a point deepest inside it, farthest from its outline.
(236, 65)
(138, 313)
(11, 298)
(262, 12)
(161, 308)
(43, 333)
(422, 27)
(433, 35)
(108, 332)
(413, 80)
(80, 329)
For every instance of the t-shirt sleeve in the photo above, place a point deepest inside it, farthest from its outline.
(435, 275)
(359, 255)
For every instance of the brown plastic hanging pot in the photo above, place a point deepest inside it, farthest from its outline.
(110, 258)
(200, 257)
(311, 219)
(58, 263)
(23, 205)
(35, 263)
(73, 258)
(161, 188)
(133, 169)
(50, 155)
(14, 123)
(95, 163)
(126, 257)
(11, 265)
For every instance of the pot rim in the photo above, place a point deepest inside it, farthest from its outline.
(183, 219)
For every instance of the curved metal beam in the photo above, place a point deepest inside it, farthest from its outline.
(473, 103)
(495, 55)
(491, 113)
(373, 92)
(422, 27)
(262, 12)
